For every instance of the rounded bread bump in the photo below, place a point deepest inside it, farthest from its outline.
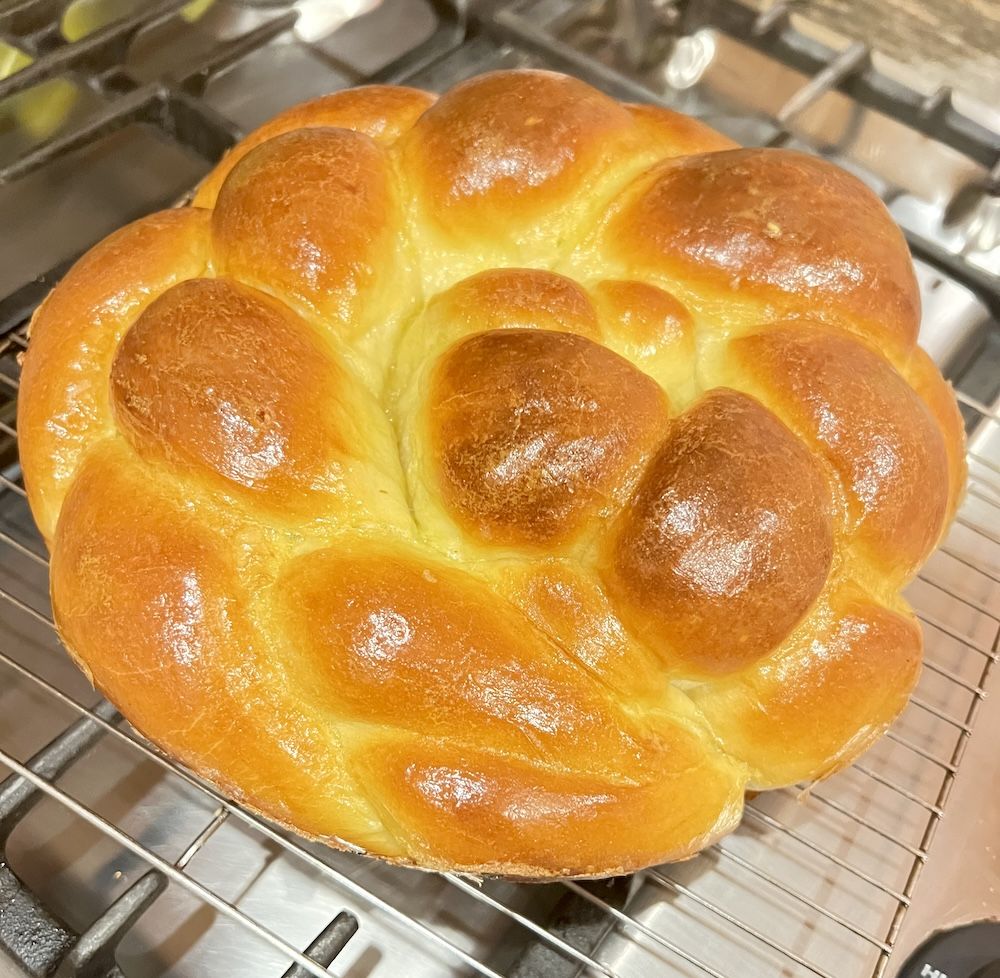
(63, 404)
(382, 112)
(726, 542)
(217, 376)
(537, 433)
(164, 580)
(774, 230)
(514, 168)
(312, 216)
(881, 438)
(500, 483)
(820, 700)
(508, 148)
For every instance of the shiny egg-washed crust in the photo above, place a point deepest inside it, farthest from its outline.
(503, 483)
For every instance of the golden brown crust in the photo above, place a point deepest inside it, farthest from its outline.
(647, 319)
(514, 298)
(811, 708)
(727, 541)
(63, 402)
(676, 134)
(311, 216)
(508, 147)
(537, 433)
(391, 637)
(926, 380)
(782, 229)
(465, 805)
(383, 112)
(568, 605)
(567, 631)
(221, 377)
(158, 586)
(862, 416)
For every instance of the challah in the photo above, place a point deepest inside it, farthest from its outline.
(502, 483)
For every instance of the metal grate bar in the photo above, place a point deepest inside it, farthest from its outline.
(24, 17)
(21, 548)
(218, 817)
(175, 875)
(860, 820)
(773, 823)
(507, 25)
(13, 486)
(849, 62)
(329, 943)
(987, 484)
(7, 429)
(672, 884)
(986, 463)
(113, 117)
(584, 959)
(940, 714)
(864, 84)
(993, 575)
(976, 494)
(247, 817)
(978, 529)
(194, 79)
(976, 405)
(969, 602)
(18, 796)
(952, 677)
(897, 788)
(26, 608)
(98, 51)
(932, 823)
(940, 626)
(94, 953)
(891, 734)
(629, 921)
(150, 103)
(774, 18)
(800, 897)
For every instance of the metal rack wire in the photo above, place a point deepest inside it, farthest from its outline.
(832, 868)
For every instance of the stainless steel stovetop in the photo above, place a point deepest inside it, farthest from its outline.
(102, 837)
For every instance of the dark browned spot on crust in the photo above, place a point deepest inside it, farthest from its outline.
(220, 375)
(535, 431)
(727, 541)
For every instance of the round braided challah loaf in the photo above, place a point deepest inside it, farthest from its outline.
(504, 483)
